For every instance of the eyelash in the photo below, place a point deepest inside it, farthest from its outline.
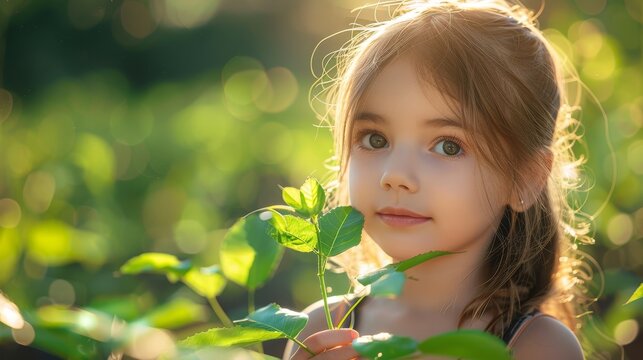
(361, 133)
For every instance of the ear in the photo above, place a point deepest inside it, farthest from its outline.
(534, 175)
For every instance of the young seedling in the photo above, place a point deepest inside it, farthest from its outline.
(251, 251)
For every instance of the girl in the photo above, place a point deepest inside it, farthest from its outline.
(452, 132)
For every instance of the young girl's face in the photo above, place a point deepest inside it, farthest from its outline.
(408, 152)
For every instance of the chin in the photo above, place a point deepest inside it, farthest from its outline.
(398, 253)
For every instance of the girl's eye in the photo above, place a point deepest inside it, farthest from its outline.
(373, 140)
(448, 147)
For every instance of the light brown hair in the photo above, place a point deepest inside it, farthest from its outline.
(509, 87)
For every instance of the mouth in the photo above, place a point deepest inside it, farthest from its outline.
(397, 217)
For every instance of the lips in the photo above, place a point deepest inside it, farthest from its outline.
(400, 217)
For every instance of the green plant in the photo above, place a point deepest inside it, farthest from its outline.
(251, 251)
(636, 295)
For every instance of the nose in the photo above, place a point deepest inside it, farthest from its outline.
(399, 174)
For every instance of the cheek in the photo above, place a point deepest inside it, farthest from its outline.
(470, 196)
(491, 195)
(362, 178)
(355, 175)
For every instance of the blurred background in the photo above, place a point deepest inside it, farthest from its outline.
(133, 126)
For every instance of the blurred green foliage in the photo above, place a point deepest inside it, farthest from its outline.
(133, 126)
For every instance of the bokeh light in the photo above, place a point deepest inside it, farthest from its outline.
(24, 335)
(62, 292)
(10, 314)
(38, 191)
(626, 331)
(152, 125)
(10, 213)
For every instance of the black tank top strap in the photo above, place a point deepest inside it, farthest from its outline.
(508, 334)
(515, 324)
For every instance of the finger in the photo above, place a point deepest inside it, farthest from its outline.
(329, 339)
(340, 353)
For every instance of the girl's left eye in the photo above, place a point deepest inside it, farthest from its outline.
(448, 147)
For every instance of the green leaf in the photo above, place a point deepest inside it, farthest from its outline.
(206, 281)
(384, 346)
(174, 314)
(401, 266)
(340, 229)
(274, 318)
(152, 262)
(293, 232)
(236, 336)
(389, 284)
(313, 196)
(292, 197)
(636, 295)
(220, 353)
(248, 254)
(466, 344)
(268, 323)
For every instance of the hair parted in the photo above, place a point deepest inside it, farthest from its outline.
(511, 89)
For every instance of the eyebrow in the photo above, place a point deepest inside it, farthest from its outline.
(366, 116)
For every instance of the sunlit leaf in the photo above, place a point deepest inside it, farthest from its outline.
(158, 263)
(384, 346)
(174, 314)
(236, 336)
(221, 353)
(293, 232)
(401, 266)
(249, 255)
(308, 200)
(341, 229)
(636, 295)
(274, 318)
(206, 281)
(466, 344)
(389, 284)
(313, 196)
(292, 197)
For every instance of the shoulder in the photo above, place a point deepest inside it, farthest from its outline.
(545, 337)
(338, 306)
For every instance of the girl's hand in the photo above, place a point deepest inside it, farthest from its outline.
(329, 345)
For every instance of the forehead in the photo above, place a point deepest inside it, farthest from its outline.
(399, 89)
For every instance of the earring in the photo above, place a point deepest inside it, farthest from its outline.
(522, 202)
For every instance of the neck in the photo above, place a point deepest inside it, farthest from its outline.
(444, 285)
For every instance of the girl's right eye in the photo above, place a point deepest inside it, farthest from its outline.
(370, 140)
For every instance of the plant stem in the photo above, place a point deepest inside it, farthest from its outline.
(218, 310)
(341, 322)
(322, 285)
(321, 269)
(302, 345)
